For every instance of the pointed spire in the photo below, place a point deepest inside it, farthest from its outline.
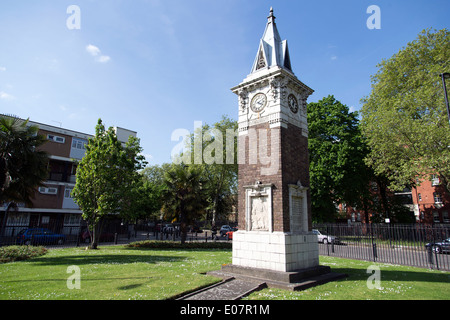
(272, 51)
(271, 17)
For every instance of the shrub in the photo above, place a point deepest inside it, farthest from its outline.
(152, 244)
(17, 253)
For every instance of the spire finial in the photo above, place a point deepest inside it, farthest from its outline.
(271, 17)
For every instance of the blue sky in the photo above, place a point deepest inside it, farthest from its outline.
(154, 66)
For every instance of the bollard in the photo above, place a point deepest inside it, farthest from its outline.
(374, 249)
(430, 255)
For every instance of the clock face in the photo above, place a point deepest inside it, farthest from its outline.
(259, 101)
(293, 103)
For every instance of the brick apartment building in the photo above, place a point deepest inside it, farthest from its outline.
(53, 207)
(431, 202)
(428, 203)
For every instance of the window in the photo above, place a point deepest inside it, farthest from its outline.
(72, 219)
(436, 217)
(374, 186)
(68, 192)
(437, 197)
(419, 196)
(45, 190)
(54, 138)
(435, 180)
(79, 143)
(445, 217)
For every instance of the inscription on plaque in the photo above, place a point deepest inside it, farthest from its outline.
(296, 218)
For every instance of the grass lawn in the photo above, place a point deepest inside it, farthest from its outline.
(396, 283)
(112, 272)
(121, 273)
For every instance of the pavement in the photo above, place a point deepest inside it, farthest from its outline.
(238, 282)
(228, 289)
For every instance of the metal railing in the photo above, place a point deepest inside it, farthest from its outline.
(55, 236)
(413, 245)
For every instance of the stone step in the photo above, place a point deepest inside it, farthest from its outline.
(229, 289)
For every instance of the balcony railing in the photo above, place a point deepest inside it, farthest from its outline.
(61, 177)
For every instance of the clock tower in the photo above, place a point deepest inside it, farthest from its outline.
(274, 214)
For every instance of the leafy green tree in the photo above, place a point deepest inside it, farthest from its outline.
(405, 119)
(220, 175)
(184, 196)
(338, 173)
(214, 150)
(152, 189)
(23, 166)
(107, 179)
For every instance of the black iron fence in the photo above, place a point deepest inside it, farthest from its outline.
(417, 245)
(55, 235)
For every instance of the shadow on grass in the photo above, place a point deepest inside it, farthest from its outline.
(84, 279)
(104, 259)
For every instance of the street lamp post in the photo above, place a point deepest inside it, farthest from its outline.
(444, 76)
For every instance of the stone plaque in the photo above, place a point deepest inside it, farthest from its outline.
(259, 214)
(296, 218)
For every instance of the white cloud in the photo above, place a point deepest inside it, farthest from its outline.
(2, 69)
(6, 96)
(93, 50)
(103, 59)
(96, 52)
(334, 57)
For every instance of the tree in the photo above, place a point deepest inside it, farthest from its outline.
(23, 167)
(404, 119)
(214, 150)
(338, 173)
(220, 175)
(183, 196)
(107, 179)
(153, 187)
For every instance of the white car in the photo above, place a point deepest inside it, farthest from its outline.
(322, 238)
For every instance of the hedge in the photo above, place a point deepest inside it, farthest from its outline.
(17, 253)
(153, 244)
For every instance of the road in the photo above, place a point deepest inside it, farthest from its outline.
(411, 256)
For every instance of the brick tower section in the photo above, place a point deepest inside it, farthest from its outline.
(292, 151)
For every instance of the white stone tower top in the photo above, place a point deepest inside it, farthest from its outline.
(272, 50)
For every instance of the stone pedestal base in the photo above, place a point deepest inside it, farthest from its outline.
(277, 251)
(294, 280)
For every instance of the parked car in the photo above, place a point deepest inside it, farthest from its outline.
(168, 228)
(39, 236)
(322, 238)
(226, 228)
(439, 247)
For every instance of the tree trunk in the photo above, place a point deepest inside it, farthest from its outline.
(95, 235)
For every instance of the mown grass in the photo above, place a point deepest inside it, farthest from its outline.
(114, 272)
(396, 283)
(124, 273)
